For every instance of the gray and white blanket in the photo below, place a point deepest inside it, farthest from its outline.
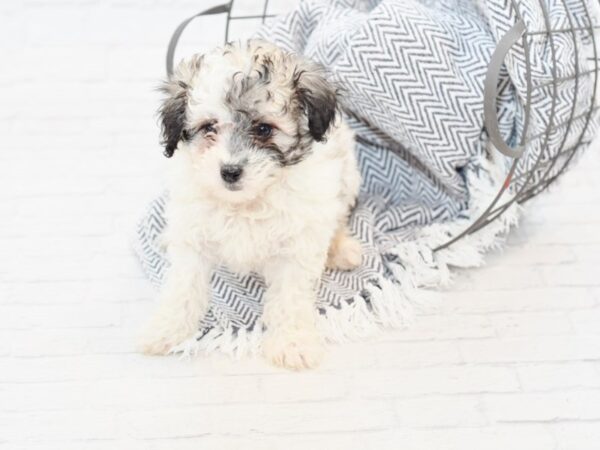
(413, 73)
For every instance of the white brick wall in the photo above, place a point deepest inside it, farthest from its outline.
(510, 359)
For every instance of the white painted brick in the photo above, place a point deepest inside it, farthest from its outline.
(417, 354)
(65, 139)
(56, 425)
(49, 168)
(121, 290)
(143, 393)
(139, 26)
(215, 363)
(59, 316)
(47, 397)
(69, 269)
(34, 342)
(444, 327)
(572, 275)
(98, 203)
(435, 411)
(565, 233)
(71, 341)
(303, 387)
(58, 24)
(348, 358)
(514, 300)
(60, 292)
(547, 406)
(531, 324)
(97, 367)
(587, 253)
(113, 125)
(532, 255)
(547, 348)
(148, 65)
(564, 212)
(61, 62)
(320, 441)
(57, 185)
(587, 322)
(566, 375)
(74, 224)
(59, 444)
(121, 394)
(5, 344)
(62, 246)
(500, 277)
(519, 436)
(263, 418)
(576, 435)
(438, 380)
(134, 185)
(115, 266)
(66, 100)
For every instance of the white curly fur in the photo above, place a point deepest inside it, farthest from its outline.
(285, 222)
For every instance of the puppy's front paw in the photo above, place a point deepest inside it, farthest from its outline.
(293, 349)
(163, 333)
(345, 253)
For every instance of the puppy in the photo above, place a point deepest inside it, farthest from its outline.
(262, 178)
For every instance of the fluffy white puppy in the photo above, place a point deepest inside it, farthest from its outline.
(262, 178)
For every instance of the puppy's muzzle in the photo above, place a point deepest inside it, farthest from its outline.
(231, 173)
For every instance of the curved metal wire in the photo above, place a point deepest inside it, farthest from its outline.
(525, 184)
(529, 175)
(531, 185)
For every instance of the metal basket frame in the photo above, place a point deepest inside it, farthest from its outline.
(519, 32)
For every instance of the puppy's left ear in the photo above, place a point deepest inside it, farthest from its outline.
(318, 97)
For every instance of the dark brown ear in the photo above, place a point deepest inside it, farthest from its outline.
(173, 111)
(318, 97)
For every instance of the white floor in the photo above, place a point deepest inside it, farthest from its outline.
(510, 360)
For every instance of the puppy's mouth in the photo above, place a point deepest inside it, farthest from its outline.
(237, 186)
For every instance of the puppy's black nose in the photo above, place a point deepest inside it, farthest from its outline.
(231, 173)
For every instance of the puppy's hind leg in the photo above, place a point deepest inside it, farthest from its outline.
(344, 250)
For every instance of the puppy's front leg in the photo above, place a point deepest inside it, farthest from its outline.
(184, 300)
(291, 339)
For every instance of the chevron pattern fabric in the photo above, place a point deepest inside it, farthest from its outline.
(413, 73)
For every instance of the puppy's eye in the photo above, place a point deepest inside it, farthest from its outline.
(263, 130)
(208, 128)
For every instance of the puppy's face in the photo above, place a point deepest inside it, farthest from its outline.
(242, 114)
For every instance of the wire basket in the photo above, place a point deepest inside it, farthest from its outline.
(523, 181)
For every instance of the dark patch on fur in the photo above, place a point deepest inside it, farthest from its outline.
(313, 106)
(276, 153)
(300, 149)
(174, 107)
(173, 114)
(319, 100)
(321, 111)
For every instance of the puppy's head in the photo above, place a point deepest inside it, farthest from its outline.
(243, 113)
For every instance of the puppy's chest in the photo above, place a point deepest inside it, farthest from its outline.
(244, 243)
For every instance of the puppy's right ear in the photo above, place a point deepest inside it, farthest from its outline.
(173, 111)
